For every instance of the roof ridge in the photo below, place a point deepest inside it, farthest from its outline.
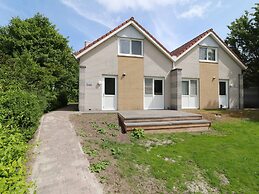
(178, 51)
(103, 36)
(116, 28)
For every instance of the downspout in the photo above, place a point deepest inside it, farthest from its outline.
(241, 90)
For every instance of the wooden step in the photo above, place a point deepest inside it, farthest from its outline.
(168, 125)
(162, 119)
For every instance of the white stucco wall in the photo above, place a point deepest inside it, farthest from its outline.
(131, 32)
(100, 61)
(228, 68)
(189, 64)
(103, 60)
(156, 64)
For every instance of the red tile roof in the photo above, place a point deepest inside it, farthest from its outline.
(119, 26)
(177, 52)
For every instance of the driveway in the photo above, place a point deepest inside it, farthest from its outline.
(60, 165)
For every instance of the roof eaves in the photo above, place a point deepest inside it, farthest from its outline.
(102, 37)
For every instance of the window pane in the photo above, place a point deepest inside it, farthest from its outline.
(203, 53)
(193, 87)
(211, 54)
(158, 87)
(185, 87)
(136, 47)
(109, 86)
(124, 46)
(148, 86)
(222, 88)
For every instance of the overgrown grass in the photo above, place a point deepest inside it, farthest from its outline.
(223, 160)
(232, 151)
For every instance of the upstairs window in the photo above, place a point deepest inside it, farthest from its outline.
(208, 54)
(130, 47)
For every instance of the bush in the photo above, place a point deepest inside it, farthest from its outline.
(13, 148)
(21, 109)
(137, 133)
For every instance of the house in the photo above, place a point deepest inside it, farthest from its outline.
(129, 69)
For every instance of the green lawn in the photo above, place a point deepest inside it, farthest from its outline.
(231, 151)
(223, 160)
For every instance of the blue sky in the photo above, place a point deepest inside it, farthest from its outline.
(172, 22)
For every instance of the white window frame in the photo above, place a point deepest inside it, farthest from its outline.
(131, 55)
(153, 86)
(189, 87)
(209, 47)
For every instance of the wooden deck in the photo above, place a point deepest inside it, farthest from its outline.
(162, 121)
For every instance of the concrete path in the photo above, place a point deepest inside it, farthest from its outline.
(60, 166)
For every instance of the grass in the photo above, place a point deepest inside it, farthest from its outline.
(224, 160)
(232, 150)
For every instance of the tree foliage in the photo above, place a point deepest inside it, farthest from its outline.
(244, 39)
(36, 57)
(37, 72)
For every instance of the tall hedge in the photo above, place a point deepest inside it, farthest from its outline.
(37, 73)
(36, 57)
(21, 109)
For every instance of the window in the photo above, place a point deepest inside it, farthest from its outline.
(211, 54)
(148, 86)
(208, 54)
(136, 47)
(185, 87)
(222, 88)
(158, 87)
(131, 47)
(203, 53)
(193, 87)
(109, 86)
(190, 87)
(124, 46)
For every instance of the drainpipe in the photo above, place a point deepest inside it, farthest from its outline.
(241, 90)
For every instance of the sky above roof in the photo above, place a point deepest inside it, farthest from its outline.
(172, 22)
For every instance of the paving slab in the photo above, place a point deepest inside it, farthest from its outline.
(60, 165)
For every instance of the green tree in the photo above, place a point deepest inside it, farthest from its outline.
(36, 57)
(244, 40)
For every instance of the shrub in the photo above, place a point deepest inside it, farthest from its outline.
(137, 133)
(99, 166)
(13, 148)
(21, 109)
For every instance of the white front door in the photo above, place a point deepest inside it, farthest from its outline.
(190, 96)
(223, 94)
(154, 93)
(109, 93)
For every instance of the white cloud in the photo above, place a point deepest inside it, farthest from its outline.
(146, 5)
(165, 33)
(195, 11)
(82, 9)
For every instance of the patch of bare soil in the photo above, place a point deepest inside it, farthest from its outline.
(199, 184)
(99, 134)
(223, 179)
